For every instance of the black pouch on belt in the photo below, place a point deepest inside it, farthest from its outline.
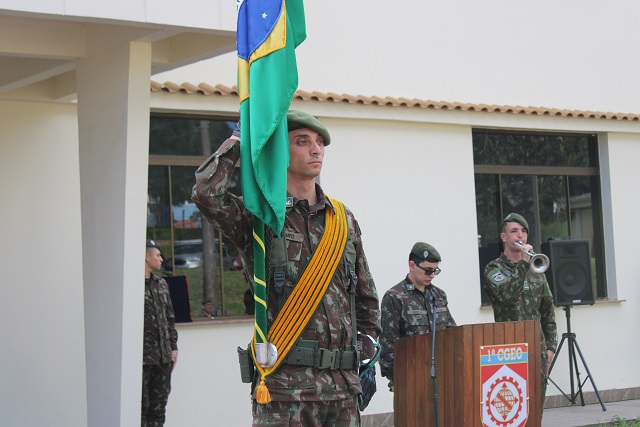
(247, 368)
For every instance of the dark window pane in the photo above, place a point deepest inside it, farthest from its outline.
(187, 137)
(553, 207)
(583, 225)
(158, 213)
(506, 149)
(557, 200)
(488, 207)
(488, 217)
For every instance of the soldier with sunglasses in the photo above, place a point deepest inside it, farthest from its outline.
(407, 308)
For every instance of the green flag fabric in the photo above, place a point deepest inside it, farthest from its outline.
(268, 33)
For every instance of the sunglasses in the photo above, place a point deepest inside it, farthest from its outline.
(429, 271)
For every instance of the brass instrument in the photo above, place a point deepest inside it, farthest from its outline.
(539, 263)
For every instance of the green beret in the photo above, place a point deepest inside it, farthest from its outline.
(425, 252)
(299, 119)
(514, 217)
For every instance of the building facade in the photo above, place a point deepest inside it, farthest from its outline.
(82, 84)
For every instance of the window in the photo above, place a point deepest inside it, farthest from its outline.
(551, 179)
(190, 246)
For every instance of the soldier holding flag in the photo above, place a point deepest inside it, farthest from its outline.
(316, 381)
(312, 288)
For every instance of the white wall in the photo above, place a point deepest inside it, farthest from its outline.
(41, 310)
(206, 387)
(409, 182)
(210, 14)
(572, 54)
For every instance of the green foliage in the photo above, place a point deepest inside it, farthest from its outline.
(554, 229)
(621, 422)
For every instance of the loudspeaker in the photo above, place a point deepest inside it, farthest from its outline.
(569, 273)
(179, 292)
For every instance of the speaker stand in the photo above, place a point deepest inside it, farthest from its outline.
(573, 364)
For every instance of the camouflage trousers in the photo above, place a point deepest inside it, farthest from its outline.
(339, 413)
(156, 385)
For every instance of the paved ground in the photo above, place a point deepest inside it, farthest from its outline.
(590, 415)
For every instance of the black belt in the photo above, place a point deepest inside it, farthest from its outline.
(321, 358)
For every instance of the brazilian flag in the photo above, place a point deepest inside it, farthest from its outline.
(267, 35)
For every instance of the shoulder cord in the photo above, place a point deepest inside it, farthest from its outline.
(278, 264)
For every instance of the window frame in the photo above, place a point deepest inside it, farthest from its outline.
(170, 161)
(601, 288)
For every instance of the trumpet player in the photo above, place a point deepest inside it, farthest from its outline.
(518, 288)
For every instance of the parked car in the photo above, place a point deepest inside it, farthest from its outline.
(189, 254)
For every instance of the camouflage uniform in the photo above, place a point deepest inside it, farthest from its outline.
(517, 293)
(330, 326)
(160, 339)
(407, 311)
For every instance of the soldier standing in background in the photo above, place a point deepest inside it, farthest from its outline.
(406, 307)
(160, 351)
(318, 382)
(518, 293)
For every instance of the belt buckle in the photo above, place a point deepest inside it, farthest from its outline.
(329, 358)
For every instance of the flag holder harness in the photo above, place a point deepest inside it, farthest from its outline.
(302, 303)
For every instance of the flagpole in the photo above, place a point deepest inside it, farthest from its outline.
(267, 34)
(265, 353)
(260, 292)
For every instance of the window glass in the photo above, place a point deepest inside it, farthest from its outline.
(190, 246)
(531, 150)
(536, 176)
(554, 221)
(187, 137)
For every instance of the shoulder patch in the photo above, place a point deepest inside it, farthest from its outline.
(498, 276)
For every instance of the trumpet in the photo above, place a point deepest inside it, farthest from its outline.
(539, 263)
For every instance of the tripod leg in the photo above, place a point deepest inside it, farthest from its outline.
(555, 356)
(604, 408)
(572, 350)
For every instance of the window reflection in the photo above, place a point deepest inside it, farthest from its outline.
(550, 179)
(191, 247)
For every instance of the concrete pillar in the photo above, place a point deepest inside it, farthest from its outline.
(113, 116)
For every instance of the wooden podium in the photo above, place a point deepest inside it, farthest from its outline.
(458, 374)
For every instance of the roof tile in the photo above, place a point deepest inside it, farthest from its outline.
(388, 101)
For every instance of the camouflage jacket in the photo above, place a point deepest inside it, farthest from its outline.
(330, 325)
(407, 311)
(517, 293)
(160, 335)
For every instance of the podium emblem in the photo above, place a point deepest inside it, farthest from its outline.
(505, 393)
